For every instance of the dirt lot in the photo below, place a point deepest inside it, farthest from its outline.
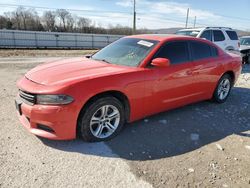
(200, 145)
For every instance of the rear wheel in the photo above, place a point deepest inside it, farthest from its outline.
(102, 120)
(223, 89)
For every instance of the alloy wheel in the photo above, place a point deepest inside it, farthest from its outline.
(105, 121)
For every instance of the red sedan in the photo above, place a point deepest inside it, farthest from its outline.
(134, 77)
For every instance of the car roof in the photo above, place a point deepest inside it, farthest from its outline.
(203, 28)
(245, 37)
(192, 29)
(160, 37)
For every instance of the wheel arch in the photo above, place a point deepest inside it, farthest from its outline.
(113, 93)
(229, 48)
(231, 74)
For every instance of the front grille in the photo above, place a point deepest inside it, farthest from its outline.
(28, 98)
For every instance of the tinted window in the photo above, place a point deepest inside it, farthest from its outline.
(176, 52)
(218, 36)
(232, 35)
(214, 51)
(245, 41)
(200, 50)
(207, 35)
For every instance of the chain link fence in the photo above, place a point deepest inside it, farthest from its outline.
(56, 40)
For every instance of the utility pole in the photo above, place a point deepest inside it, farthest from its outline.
(187, 17)
(194, 21)
(134, 19)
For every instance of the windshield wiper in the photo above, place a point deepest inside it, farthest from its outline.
(104, 60)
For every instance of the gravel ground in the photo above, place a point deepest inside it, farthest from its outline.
(200, 145)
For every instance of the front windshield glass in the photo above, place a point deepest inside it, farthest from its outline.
(126, 51)
(245, 41)
(192, 33)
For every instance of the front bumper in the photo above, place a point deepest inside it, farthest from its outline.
(57, 122)
(52, 122)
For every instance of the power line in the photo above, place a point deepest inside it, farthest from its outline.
(233, 17)
(52, 8)
(87, 10)
(97, 13)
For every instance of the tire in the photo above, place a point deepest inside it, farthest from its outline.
(102, 120)
(223, 89)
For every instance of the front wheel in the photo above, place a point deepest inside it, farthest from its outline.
(223, 89)
(102, 120)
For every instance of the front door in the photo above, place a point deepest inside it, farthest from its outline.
(172, 86)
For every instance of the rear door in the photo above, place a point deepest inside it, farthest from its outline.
(219, 39)
(233, 43)
(206, 65)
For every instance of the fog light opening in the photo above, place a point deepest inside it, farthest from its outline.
(45, 128)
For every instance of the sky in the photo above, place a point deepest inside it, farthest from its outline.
(150, 14)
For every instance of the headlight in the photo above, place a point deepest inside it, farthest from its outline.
(53, 99)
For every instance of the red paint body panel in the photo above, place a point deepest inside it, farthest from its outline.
(149, 90)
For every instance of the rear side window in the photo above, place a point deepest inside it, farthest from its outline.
(206, 35)
(214, 51)
(202, 50)
(232, 35)
(176, 52)
(218, 36)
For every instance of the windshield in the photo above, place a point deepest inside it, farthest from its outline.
(192, 33)
(245, 41)
(126, 51)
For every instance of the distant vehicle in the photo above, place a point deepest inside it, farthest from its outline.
(134, 77)
(245, 49)
(226, 38)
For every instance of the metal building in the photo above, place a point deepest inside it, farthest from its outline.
(37, 39)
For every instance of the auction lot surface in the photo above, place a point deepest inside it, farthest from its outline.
(200, 145)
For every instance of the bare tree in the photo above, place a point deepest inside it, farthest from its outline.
(14, 18)
(70, 23)
(24, 19)
(60, 20)
(83, 24)
(23, 14)
(49, 19)
(5, 23)
(118, 29)
(63, 14)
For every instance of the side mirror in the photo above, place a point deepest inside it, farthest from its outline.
(160, 62)
(88, 56)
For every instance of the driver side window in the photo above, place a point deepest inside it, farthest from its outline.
(176, 52)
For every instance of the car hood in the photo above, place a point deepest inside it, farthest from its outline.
(244, 47)
(68, 70)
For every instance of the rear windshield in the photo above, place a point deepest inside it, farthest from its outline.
(192, 33)
(232, 35)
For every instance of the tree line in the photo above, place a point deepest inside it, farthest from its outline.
(60, 20)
